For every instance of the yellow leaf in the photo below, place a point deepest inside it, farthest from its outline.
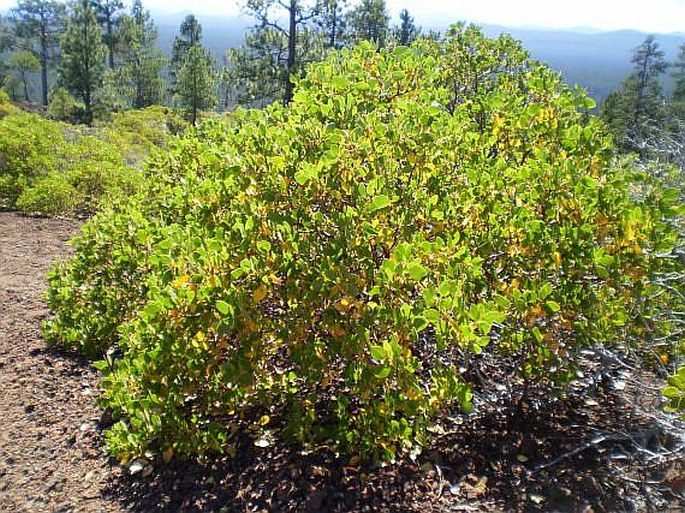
(556, 256)
(264, 420)
(259, 294)
(168, 454)
(342, 305)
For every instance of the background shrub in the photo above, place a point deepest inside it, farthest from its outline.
(44, 161)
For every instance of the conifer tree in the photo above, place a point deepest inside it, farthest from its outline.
(679, 76)
(83, 55)
(369, 21)
(274, 52)
(6, 42)
(109, 14)
(332, 22)
(407, 32)
(190, 34)
(40, 23)
(649, 65)
(140, 73)
(637, 107)
(196, 83)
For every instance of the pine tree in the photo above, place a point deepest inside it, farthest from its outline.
(196, 83)
(40, 23)
(109, 13)
(369, 21)
(6, 42)
(407, 32)
(332, 22)
(649, 65)
(274, 52)
(141, 78)
(679, 76)
(190, 34)
(83, 55)
(638, 106)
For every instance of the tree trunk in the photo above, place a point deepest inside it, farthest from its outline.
(26, 86)
(292, 42)
(110, 43)
(44, 69)
(334, 25)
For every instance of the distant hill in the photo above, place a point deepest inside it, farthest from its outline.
(598, 61)
(218, 32)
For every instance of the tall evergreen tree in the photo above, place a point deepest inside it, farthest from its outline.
(190, 34)
(109, 14)
(6, 42)
(649, 64)
(40, 23)
(142, 62)
(298, 14)
(369, 21)
(196, 83)
(274, 52)
(407, 32)
(637, 107)
(332, 22)
(83, 54)
(679, 75)
(6, 37)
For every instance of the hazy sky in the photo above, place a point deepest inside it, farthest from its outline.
(649, 16)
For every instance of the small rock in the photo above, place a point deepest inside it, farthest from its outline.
(55, 485)
(137, 467)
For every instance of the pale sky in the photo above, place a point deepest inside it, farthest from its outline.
(658, 16)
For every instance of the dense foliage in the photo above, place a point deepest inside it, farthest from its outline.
(335, 271)
(52, 168)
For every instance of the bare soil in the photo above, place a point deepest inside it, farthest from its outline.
(596, 449)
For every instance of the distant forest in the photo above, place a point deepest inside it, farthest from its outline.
(135, 60)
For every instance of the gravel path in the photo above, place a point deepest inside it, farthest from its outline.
(51, 455)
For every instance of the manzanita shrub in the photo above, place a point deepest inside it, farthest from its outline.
(329, 272)
(52, 168)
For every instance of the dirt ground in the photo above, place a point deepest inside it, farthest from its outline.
(589, 452)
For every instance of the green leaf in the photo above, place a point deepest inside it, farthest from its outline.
(222, 306)
(553, 306)
(419, 323)
(302, 177)
(537, 334)
(432, 315)
(383, 373)
(417, 271)
(379, 202)
(671, 392)
(377, 353)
